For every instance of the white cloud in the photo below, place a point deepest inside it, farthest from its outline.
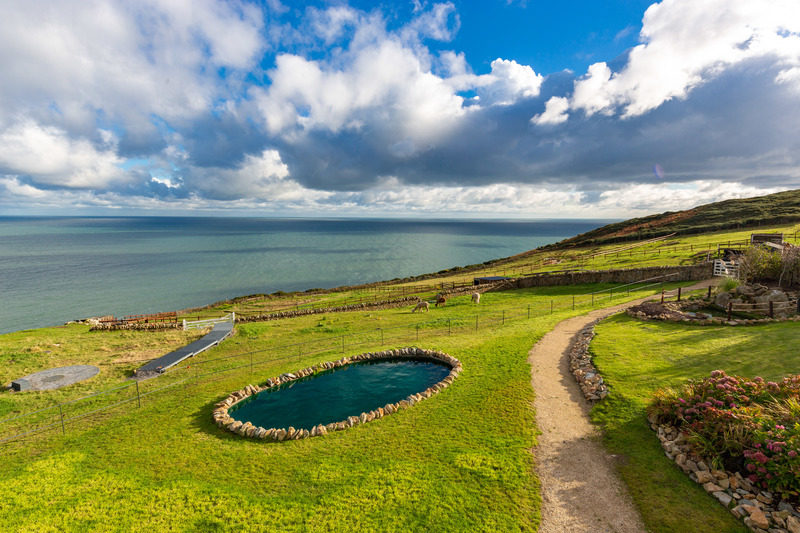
(70, 60)
(378, 81)
(555, 112)
(441, 22)
(686, 43)
(51, 157)
(660, 197)
(262, 177)
(508, 82)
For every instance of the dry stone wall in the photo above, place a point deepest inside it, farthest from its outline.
(625, 275)
(223, 419)
(151, 326)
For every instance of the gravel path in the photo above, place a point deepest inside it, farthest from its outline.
(580, 488)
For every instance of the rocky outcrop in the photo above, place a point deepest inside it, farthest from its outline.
(223, 419)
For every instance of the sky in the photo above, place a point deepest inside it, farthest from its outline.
(411, 108)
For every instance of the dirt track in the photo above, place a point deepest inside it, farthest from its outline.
(580, 488)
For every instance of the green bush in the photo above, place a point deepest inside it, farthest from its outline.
(729, 284)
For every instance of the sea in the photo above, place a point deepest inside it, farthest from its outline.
(57, 269)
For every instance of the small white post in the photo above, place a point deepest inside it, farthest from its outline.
(184, 324)
(233, 318)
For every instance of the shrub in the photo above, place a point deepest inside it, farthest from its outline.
(736, 417)
(729, 284)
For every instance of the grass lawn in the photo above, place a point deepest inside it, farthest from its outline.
(460, 461)
(636, 358)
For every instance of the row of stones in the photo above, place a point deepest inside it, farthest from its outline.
(759, 509)
(712, 321)
(144, 326)
(223, 420)
(580, 364)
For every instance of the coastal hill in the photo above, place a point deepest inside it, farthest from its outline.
(778, 208)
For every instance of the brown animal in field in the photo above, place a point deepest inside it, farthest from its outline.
(476, 297)
(440, 299)
(420, 306)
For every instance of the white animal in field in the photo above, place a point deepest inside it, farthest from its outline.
(420, 306)
(476, 297)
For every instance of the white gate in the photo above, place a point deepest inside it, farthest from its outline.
(200, 324)
(726, 268)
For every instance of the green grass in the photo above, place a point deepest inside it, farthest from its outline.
(457, 462)
(460, 461)
(636, 358)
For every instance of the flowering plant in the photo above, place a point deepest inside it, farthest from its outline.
(733, 416)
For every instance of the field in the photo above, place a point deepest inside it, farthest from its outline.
(460, 461)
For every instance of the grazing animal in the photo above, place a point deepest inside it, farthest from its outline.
(440, 299)
(420, 306)
(476, 297)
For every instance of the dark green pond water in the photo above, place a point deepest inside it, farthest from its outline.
(334, 395)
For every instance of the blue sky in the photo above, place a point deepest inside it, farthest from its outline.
(490, 109)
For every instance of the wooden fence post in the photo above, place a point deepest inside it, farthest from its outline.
(730, 309)
(679, 294)
(771, 309)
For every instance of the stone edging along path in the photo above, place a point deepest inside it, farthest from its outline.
(223, 420)
(759, 510)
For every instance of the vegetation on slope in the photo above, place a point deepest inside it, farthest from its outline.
(778, 208)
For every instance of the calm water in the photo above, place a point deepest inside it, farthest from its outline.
(334, 395)
(57, 269)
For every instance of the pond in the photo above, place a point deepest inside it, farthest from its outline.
(334, 395)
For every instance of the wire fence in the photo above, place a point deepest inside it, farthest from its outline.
(66, 416)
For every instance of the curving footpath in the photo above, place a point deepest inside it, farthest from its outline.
(580, 488)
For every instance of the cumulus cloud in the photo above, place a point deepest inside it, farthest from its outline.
(263, 176)
(50, 157)
(555, 112)
(687, 43)
(75, 62)
(331, 109)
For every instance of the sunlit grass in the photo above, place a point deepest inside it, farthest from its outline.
(636, 358)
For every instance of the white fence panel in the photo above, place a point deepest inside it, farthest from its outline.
(200, 324)
(726, 268)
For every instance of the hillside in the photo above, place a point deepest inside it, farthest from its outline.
(778, 208)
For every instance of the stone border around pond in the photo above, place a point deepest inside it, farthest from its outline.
(223, 420)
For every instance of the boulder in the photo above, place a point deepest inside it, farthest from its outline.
(723, 299)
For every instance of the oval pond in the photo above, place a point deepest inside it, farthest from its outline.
(333, 395)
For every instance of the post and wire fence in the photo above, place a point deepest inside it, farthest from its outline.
(66, 416)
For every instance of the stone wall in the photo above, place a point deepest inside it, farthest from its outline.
(151, 326)
(627, 275)
(245, 429)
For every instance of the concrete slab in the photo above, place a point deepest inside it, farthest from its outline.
(55, 378)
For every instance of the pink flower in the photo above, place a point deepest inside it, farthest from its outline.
(760, 457)
(792, 454)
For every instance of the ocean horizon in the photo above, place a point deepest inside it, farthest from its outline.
(57, 269)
